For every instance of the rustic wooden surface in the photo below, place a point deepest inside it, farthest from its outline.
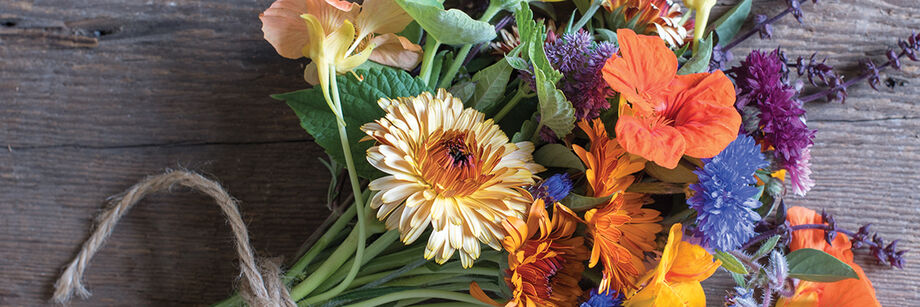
(94, 95)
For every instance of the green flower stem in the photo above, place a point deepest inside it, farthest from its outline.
(457, 286)
(321, 244)
(359, 205)
(423, 271)
(372, 251)
(301, 264)
(419, 293)
(431, 49)
(536, 133)
(520, 94)
(394, 260)
(359, 240)
(491, 11)
(332, 263)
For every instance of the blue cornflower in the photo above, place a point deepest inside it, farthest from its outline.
(724, 197)
(553, 189)
(606, 299)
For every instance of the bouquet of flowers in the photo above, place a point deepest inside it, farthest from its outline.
(585, 152)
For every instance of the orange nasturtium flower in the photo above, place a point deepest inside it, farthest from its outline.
(662, 115)
(844, 293)
(545, 259)
(676, 280)
(621, 230)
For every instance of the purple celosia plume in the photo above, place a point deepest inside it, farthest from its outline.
(763, 92)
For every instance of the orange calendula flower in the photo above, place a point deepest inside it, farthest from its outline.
(844, 293)
(545, 260)
(621, 232)
(449, 168)
(660, 17)
(662, 115)
(609, 166)
(676, 280)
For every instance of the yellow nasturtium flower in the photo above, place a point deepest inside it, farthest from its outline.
(676, 280)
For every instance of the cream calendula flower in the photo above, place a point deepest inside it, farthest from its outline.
(449, 168)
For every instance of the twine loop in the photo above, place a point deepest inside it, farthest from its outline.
(261, 283)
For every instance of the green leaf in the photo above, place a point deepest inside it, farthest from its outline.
(526, 132)
(463, 90)
(700, 60)
(727, 26)
(766, 247)
(739, 279)
(517, 63)
(730, 263)
(490, 86)
(583, 203)
(359, 106)
(413, 32)
(814, 265)
(451, 27)
(557, 155)
(556, 112)
(606, 35)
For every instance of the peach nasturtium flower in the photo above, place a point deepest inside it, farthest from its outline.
(662, 115)
(330, 32)
(676, 280)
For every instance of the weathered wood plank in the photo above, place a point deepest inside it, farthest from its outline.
(172, 249)
(90, 91)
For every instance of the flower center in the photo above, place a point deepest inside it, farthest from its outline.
(452, 164)
(457, 151)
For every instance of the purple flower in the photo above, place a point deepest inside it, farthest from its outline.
(580, 60)
(763, 91)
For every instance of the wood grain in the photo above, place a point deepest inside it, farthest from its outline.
(94, 95)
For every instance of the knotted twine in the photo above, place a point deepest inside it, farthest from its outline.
(261, 284)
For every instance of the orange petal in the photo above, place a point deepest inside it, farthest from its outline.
(807, 238)
(476, 292)
(382, 16)
(397, 51)
(705, 112)
(651, 140)
(643, 71)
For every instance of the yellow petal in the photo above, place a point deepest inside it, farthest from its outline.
(693, 263)
(397, 51)
(316, 38)
(337, 42)
(691, 294)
